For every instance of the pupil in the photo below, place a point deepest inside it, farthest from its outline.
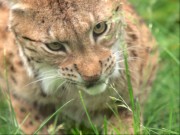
(98, 26)
(56, 46)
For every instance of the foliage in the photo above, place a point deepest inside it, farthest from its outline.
(162, 110)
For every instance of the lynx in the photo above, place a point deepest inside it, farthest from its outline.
(59, 51)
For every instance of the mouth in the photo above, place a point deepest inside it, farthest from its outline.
(96, 88)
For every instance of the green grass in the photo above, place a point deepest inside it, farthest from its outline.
(161, 114)
(7, 118)
(162, 109)
(136, 114)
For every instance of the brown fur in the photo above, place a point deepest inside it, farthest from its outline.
(33, 23)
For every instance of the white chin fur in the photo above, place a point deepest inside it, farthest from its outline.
(96, 89)
(51, 80)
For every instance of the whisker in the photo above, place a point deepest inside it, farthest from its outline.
(129, 48)
(120, 61)
(40, 80)
(47, 72)
(120, 68)
(60, 85)
(136, 58)
(117, 52)
(124, 69)
(134, 47)
(129, 59)
(57, 78)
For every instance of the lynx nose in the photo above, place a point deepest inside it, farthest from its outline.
(91, 80)
(90, 72)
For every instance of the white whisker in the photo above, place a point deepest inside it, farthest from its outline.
(129, 48)
(60, 85)
(120, 68)
(130, 59)
(40, 80)
(135, 58)
(117, 52)
(48, 72)
(123, 69)
(57, 78)
(120, 61)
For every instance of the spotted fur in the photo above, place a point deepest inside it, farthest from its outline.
(89, 64)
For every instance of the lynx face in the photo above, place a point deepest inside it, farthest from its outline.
(69, 42)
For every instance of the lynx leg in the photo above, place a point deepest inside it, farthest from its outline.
(27, 115)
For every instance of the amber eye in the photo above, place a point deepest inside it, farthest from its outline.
(100, 28)
(56, 46)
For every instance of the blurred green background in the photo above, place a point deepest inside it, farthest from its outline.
(162, 109)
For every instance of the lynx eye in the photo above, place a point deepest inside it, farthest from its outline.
(100, 28)
(56, 46)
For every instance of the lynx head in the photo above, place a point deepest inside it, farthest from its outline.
(68, 42)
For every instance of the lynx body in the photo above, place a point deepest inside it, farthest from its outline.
(56, 49)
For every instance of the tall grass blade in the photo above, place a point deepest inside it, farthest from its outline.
(105, 125)
(12, 116)
(172, 56)
(55, 124)
(136, 125)
(17, 131)
(87, 114)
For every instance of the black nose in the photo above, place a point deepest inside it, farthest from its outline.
(90, 81)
